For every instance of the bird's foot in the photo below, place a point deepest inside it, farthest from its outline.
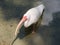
(33, 32)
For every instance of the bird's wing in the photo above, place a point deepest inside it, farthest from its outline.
(40, 19)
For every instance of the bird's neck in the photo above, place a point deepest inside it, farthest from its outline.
(40, 7)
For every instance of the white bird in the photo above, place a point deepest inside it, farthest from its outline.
(31, 17)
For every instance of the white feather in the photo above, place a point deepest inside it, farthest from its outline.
(33, 15)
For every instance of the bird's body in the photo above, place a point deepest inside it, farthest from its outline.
(33, 15)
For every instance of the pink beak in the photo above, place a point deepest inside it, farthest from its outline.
(20, 24)
(22, 20)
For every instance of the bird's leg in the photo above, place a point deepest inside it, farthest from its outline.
(34, 29)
